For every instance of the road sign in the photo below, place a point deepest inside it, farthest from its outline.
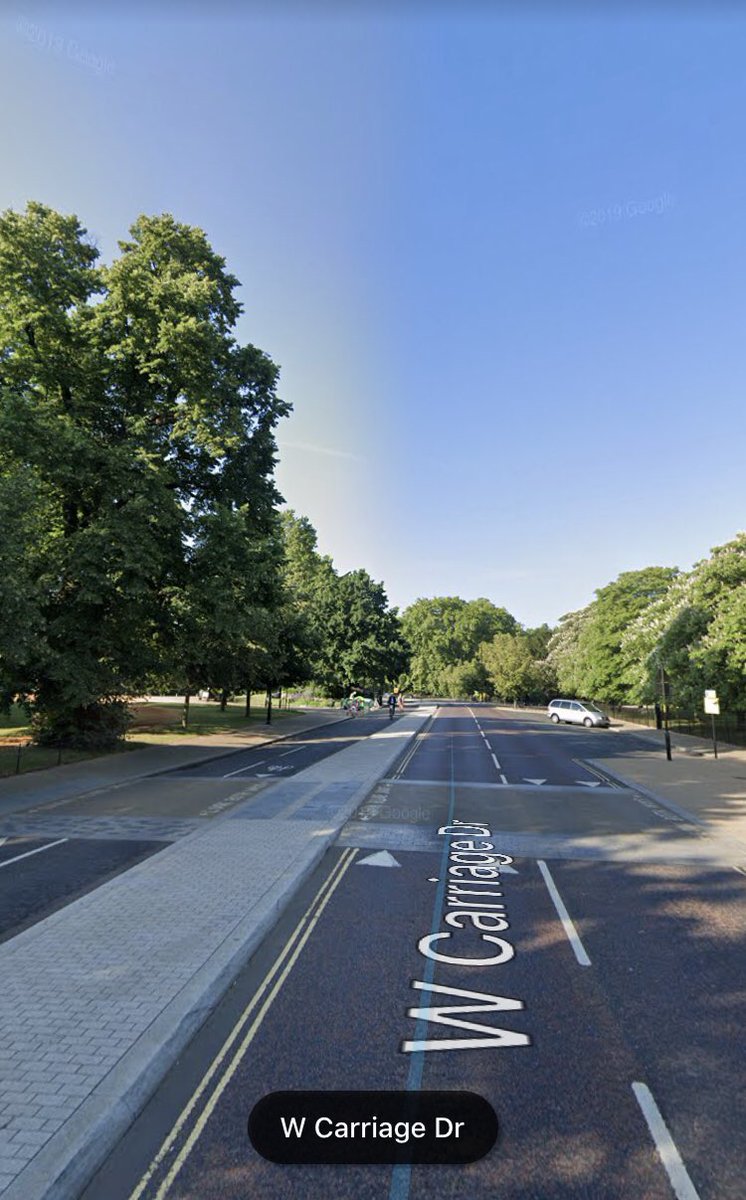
(712, 702)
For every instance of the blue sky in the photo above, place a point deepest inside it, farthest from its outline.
(499, 253)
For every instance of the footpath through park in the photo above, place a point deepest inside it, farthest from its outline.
(99, 999)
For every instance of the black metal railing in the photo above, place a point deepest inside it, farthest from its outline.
(730, 727)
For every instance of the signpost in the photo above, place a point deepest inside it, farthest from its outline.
(712, 706)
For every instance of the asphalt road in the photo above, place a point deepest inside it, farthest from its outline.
(39, 876)
(613, 1051)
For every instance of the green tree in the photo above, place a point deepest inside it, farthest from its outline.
(362, 642)
(587, 649)
(509, 664)
(446, 632)
(149, 432)
(538, 640)
(696, 631)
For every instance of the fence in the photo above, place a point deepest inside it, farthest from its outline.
(17, 757)
(730, 727)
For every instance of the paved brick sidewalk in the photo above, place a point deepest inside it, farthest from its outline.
(19, 792)
(99, 999)
(711, 792)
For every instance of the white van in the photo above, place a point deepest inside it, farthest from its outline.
(577, 712)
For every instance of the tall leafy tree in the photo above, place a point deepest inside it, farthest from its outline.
(445, 632)
(362, 643)
(696, 633)
(149, 431)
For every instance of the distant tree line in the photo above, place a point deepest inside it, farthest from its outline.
(648, 633)
(141, 542)
(661, 630)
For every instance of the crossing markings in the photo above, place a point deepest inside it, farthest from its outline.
(538, 782)
(572, 934)
(300, 935)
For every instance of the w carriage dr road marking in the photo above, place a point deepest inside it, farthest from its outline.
(28, 853)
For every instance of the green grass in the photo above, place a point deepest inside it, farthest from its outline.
(14, 723)
(204, 718)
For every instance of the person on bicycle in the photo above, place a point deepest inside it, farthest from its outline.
(392, 704)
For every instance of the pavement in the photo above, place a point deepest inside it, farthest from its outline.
(99, 1000)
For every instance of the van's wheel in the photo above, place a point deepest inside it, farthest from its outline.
(587, 722)
(555, 719)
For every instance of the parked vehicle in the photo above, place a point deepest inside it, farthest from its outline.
(577, 712)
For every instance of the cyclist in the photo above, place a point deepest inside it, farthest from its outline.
(392, 705)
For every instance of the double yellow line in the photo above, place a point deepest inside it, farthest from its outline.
(410, 753)
(261, 1001)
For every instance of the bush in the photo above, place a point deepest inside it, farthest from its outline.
(98, 726)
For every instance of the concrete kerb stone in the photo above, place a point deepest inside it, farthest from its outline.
(64, 1166)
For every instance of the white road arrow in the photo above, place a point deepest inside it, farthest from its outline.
(536, 781)
(381, 859)
(589, 782)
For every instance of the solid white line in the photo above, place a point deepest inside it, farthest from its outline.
(296, 751)
(28, 853)
(564, 916)
(497, 765)
(249, 768)
(503, 779)
(682, 1185)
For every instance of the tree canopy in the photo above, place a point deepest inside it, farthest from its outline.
(141, 434)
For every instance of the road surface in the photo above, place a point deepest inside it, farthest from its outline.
(604, 1024)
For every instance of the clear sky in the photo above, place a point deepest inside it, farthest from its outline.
(499, 253)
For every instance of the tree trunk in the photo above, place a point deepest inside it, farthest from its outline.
(185, 718)
(248, 704)
(223, 700)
